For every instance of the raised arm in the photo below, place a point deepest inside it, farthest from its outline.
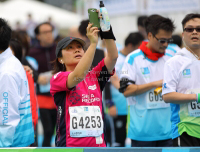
(85, 63)
(112, 54)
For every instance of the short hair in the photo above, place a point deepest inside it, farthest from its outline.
(189, 17)
(140, 20)
(177, 40)
(156, 22)
(5, 34)
(16, 47)
(134, 38)
(82, 27)
(37, 28)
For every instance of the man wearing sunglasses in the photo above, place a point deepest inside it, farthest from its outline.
(181, 85)
(150, 124)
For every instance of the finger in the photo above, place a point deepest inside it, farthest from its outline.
(89, 26)
(95, 31)
(93, 28)
(100, 17)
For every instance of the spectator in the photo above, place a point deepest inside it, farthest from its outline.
(44, 53)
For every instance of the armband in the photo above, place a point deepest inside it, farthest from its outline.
(124, 84)
(107, 35)
(198, 97)
(109, 103)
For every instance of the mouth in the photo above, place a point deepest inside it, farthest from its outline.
(78, 56)
(195, 38)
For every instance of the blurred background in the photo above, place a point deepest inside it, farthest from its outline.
(65, 14)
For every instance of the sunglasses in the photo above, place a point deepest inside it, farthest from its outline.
(191, 29)
(162, 41)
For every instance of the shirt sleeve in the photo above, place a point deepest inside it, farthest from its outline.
(128, 70)
(101, 73)
(9, 103)
(58, 82)
(170, 80)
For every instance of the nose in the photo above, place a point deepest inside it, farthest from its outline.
(165, 44)
(77, 50)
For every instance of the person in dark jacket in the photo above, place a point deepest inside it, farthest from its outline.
(44, 53)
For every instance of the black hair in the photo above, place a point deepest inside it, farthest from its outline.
(21, 36)
(82, 27)
(134, 38)
(5, 34)
(37, 28)
(140, 20)
(189, 17)
(16, 47)
(57, 66)
(177, 40)
(156, 22)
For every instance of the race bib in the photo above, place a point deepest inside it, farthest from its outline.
(193, 107)
(85, 121)
(155, 101)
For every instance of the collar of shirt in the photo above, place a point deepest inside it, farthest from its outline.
(187, 53)
(5, 55)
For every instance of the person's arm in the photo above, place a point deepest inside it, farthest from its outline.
(112, 54)
(170, 82)
(178, 98)
(115, 81)
(85, 63)
(9, 103)
(133, 89)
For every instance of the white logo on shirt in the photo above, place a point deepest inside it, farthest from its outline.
(56, 75)
(92, 87)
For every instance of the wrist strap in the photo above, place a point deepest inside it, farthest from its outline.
(198, 97)
(107, 35)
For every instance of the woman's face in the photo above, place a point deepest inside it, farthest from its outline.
(72, 54)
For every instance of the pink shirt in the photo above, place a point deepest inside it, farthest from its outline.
(87, 93)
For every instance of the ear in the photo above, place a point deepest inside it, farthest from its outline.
(149, 35)
(60, 60)
(182, 36)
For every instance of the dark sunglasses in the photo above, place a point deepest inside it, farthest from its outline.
(191, 29)
(162, 41)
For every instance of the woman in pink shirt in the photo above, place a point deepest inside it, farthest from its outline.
(77, 89)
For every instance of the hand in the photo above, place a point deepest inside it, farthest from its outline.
(112, 111)
(42, 80)
(158, 83)
(92, 33)
(28, 69)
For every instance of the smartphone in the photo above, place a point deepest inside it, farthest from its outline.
(93, 17)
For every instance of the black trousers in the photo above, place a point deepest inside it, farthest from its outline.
(48, 119)
(158, 143)
(186, 140)
(120, 130)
